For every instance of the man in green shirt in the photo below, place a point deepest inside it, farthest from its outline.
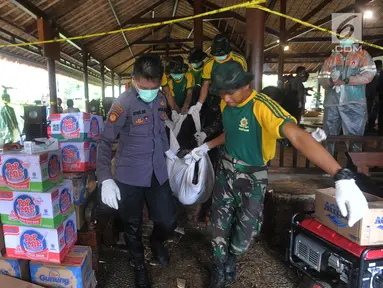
(181, 84)
(252, 123)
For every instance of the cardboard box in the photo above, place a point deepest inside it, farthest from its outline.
(80, 216)
(24, 172)
(76, 126)
(93, 281)
(15, 268)
(74, 272)
(40, 145)
(75, 156)
(34, 209)
(92, 156)
(366, 232)
(40, 244)
(83, 184)
(7, 281)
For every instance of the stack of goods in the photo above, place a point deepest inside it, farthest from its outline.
(77, 134)
(36, 207)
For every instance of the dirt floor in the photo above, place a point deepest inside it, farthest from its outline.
(260, 267)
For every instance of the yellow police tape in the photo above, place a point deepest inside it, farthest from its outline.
(224, 9)
(304, 23)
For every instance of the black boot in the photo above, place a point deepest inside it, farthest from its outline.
(218, 276)
(230, 268)
(142, 278)
(160, 253)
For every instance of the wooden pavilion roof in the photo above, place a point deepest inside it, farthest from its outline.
(118, 51)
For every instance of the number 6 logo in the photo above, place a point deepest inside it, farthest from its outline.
(347, 25)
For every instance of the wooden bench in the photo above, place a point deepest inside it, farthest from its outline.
(366, 160)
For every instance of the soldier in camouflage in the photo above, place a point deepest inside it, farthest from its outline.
(252, 123)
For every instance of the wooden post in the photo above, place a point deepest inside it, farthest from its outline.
(198, 25)
(85, 57)
(282, 43)
(51, 65)
(102, 81)
(119, 85)
(112, 76)
(255, 32)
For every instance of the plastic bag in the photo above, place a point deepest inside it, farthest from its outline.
(191, 180)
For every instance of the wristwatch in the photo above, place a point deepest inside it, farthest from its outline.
(344, 174)
(346, 81)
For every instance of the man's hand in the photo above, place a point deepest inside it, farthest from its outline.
(175, 116)
(350, 199)
(184, 109)
(199, 152)
(200, 137)
(110, 193)
(339, 83)
(319, 135)
(196, 108)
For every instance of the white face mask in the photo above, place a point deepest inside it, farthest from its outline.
(221, 58)
(197, 65)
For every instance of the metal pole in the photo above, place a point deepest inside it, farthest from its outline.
(112, 74)
(85, 57)
(119, 84)
(255, 30)
(282, 43)
(198, 25)
(102, 81)
(51, 65)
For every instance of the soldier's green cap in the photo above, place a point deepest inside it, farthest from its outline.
(230, 76)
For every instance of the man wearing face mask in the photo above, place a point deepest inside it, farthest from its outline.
(344, 75)
(222, 53)
(196, 58)
(181, 84)
(138, 115)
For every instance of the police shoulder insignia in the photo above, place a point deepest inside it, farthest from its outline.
(164, 116)
(113, 117)
(118, 109)
(162, 103)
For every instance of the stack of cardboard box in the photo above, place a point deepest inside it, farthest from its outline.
(77, 133)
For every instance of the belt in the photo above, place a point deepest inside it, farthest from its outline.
(242, 166)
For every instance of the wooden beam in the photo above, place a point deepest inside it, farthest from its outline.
(51, 66)
(309, 15)
(85, 58)
(112, 76)
(131, 58)
(133, 43)
(35, 12)
(328, 39)
(198, 25)
(102, 69)
(163, 41)
(271, 6)
(299, 55)
(282, 28)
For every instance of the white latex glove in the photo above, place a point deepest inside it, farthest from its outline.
(175, 116)
(199, 152)
(200, 137)
(350, 200)
(110, 193)
(196, 108)
(319, 135)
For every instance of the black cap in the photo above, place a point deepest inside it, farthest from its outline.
(221, 45)
(177, 65)
(196, 55)
(230, 76)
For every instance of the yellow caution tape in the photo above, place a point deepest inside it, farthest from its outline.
(307, 24)
(224, 9)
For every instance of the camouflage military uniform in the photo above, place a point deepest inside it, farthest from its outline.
(237, 209)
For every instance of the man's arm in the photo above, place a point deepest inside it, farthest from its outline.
(188, 99)
(324, 77)
(171, 102)
(204, 91)
(113, 125)
(367, 71)
(310, 148)
(218, 141)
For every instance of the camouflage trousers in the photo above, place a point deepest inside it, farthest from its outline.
(237, 209)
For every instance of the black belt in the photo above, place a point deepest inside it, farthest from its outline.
(243, 166)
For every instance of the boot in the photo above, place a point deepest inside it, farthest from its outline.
(142, 278)
(218, 276)
(230, 268)
(160, 253)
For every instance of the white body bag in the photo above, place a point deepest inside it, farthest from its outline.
(181, 171)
